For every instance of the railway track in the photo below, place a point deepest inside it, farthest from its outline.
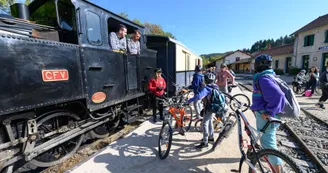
(304, 139)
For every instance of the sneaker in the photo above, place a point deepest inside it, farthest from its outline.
(322, 106)
(209, 139)
(202, 145)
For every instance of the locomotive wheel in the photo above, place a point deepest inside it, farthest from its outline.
(61, 152)
(104, 130)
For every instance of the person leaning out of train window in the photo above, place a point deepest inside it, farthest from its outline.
(117, 40)
(157, 86)
(134, 44)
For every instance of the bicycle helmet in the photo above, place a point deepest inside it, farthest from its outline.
(263, 62)
(209, 78)
(303, 71)
(198, 68)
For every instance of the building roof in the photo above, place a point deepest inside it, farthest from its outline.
(280, 50)
(248, 60)
(174, 41)
(320, 21)
(228, 54)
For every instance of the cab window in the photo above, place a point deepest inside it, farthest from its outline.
(113, 26)
(44, 13)
(93, 28)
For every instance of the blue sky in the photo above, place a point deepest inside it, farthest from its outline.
(218, 26)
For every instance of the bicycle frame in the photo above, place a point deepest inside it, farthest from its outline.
(251, 132)
(181, 111)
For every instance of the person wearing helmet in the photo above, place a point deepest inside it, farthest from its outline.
(222, 78)
(157, 86)
(197, 85)
(208, 130)
(267, 103)
(300, 77)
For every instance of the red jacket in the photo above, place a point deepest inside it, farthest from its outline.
(154, 84)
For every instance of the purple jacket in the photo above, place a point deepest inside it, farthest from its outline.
(271, 100)
(203, 93)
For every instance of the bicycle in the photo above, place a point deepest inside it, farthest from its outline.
(183, 123)
(300, 87)
(218, 123)
(182, 95)
(255, 152)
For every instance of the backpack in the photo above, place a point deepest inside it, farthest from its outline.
(291, 108)
(216, 101)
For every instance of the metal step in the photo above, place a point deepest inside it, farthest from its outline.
(133, 107)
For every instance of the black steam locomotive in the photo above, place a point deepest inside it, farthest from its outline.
(61, 84)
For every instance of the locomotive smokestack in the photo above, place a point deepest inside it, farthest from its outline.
(20, 10)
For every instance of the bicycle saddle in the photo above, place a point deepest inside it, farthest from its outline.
(274, 120)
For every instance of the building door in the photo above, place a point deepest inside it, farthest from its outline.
(237, 68)
(324, 61)
(305, 63)
(288, 64)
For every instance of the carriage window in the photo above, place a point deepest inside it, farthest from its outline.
(93, 28)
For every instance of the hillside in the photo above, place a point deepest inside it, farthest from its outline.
(214, 54)
(207, 58)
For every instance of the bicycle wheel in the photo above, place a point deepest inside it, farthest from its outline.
(241, 98)
(198, 125)
(165, 140)
(188, 111)
(187, 120)
(288, 165)
(318, 90)
(296, 89)
(224, 133)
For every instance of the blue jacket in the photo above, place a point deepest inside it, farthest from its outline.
(204, 92)
(196, 84)
(271, 100)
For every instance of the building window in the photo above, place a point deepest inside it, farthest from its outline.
(309, 40)
(237, 58)
(276, 64)
(305, 63)
(326, 36)
(93, 28)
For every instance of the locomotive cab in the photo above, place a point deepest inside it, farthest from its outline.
(60, 80)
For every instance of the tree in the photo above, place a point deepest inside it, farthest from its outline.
(5, 5)
(263, 44)
(137, 22)
(150, 29)
(124, 15)
(154, 29)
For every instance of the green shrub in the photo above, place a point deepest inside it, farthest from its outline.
(294, 70)
(279, 71)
